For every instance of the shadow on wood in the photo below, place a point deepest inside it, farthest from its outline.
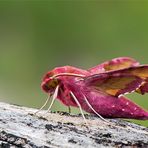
(20, 128)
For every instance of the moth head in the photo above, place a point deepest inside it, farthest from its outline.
(53, 78)
(49, 82)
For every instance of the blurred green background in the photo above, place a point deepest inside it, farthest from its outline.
(36, 36)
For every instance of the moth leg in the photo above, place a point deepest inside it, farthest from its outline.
(80, 108)
(54, 97)
(69, 109)
(94, 109)
(43, 105)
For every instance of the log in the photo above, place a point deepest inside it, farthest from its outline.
(19, 127)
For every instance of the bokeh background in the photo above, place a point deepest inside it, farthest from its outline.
(36, 36)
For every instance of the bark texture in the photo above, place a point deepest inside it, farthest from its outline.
(20, 128)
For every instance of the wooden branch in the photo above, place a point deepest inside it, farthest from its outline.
(20, 128)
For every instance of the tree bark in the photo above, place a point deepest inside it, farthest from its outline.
(19, 127)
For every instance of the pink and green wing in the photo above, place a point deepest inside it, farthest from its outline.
(114, 85)
(121, 81)
(114, 64)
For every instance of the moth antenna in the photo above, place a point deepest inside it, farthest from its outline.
(80, 108)
(94, 109)
(68, 74)
(43, 104)
(54, 97)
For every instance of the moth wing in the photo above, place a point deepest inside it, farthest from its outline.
(139, 71)
(114, 64)
(121, 81)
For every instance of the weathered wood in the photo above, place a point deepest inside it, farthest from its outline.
(20, 128)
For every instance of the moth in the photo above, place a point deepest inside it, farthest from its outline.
(100, 90)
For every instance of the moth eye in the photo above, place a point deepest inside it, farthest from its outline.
(49, 85)
(52, 83)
